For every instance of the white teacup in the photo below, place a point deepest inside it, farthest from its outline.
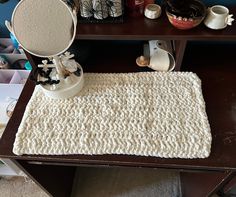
(218, 17)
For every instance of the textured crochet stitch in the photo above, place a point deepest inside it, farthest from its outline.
(148, 114)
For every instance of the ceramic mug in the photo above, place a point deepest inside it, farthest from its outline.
(86, 8)
(158, 55)
(100, 9)
(218, 17)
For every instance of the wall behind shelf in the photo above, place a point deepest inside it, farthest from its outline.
(212, 2)
(221, 2)
(6, 10)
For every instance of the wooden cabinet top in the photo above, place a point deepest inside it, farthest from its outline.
(214, 66)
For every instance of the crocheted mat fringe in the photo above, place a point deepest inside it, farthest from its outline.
(148, 114)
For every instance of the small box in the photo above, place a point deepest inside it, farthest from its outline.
(9, 94)
(11, 85)
(8, 76)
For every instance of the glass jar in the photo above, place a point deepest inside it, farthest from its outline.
(135, 8)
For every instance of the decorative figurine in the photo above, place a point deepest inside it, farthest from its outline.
(60, 76)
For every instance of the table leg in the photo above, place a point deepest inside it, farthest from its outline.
(55, 180)
(228, 184)
(179, 47)
(202, 184)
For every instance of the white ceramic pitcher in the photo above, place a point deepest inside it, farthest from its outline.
(218, 17)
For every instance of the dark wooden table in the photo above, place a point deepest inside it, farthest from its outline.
(214, 64)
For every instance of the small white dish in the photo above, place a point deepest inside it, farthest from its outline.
(152, 11)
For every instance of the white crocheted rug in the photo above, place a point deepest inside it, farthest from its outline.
(149, 114)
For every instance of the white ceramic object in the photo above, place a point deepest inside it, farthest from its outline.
(152, 11)
(115, 10)
(85, 8)
(158, 55)
(100, 9)
(218, 17)
(48, 28)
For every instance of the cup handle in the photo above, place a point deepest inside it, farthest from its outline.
(229, 19)
(208, 10)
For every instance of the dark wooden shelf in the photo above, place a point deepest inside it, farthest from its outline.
(145, 29)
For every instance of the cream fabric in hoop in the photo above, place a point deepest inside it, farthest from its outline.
(43, 27)
(148, 114)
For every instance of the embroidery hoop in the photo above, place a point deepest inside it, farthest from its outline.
(26, 6)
